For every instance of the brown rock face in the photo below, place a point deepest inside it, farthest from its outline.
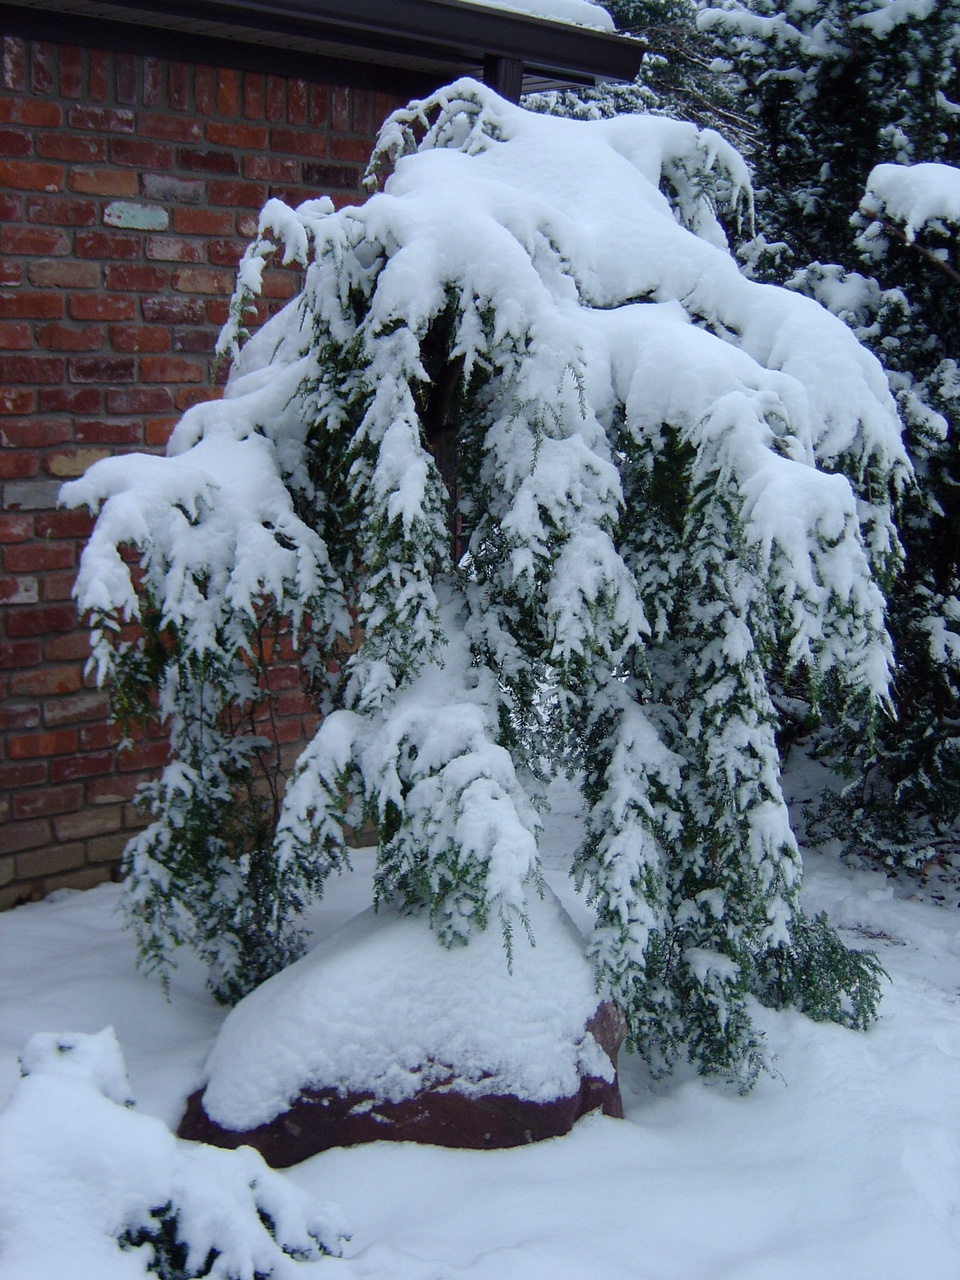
(322, 1118)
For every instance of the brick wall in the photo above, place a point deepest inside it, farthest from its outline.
(128, 187)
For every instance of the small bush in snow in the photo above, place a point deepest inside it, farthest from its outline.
(90, 1186)
(675, 484)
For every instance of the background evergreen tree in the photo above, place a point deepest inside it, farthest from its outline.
(837, 89)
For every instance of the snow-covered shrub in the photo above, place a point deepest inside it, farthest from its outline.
(92, 1189)
(675, 483)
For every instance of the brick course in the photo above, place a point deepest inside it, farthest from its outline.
(128, 188)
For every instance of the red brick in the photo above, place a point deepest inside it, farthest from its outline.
(139, 400)
(132, 338)
(202, 222)
(15, 142)
(170, 128)
(141, 155)
(31, 774)
(90, 765)
(253, 95)
(80, 826)
(62, 211)
(22, 590)
(94, 737)
(11, 207)
(93, 431)
(24, 835)
(319, 109)
(34, 432)
(59, 337)
(98, 86)
(242, 136)
(299, 142)
(279, 284)
(99, 306)
(64, 275)
(80, 707)
(187, 397)
(70, 400)
(63, 524)
(225, 253)
(31, 111)
(350, 149)
(14, 65)
(103, 369)
(18, 466)
(22, 653)
(170, 369)
(113, 789)
(173, 310)
(38, 241)
(48, 801)
(31, 306)
(104, 182)
(32, 557)
(65, 146)
(71, 71)
(271, 168)
(11, 273)
(16, 401)
(276, 105)
(136, 277)
(106, 244)
(24, 716)
(152, 81)
(15, 337)
(297, 102)
(326, 176)
(15, 528)
(102, 119)
(57, 586)
(44, 59)
(340, 113)
(70, 647)
(196, 339)
(203, 280)
(157, 431)
(205, 161)
(125, 66)
(38, 620)
(30, 368)
(241, 195)
(218, 312)
(31, 175)
(31, 746)
(228, 92)
(145, 755)
(175, 249)
(50, 680)
(363, 111)
(178, 86)
(383, 105)
(205, 90)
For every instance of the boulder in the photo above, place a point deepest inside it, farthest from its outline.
(380, 1033)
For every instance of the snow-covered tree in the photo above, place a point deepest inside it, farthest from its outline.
(836, 91)
(668, 483)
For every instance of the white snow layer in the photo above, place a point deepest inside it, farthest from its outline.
(80, 1170)
(915, 196)
(582, 13)
(846, 1166)
(380, 1008)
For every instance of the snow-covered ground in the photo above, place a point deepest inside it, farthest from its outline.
(843, 1166)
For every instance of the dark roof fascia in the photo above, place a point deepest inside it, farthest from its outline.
(265, 57)
(403, 46)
